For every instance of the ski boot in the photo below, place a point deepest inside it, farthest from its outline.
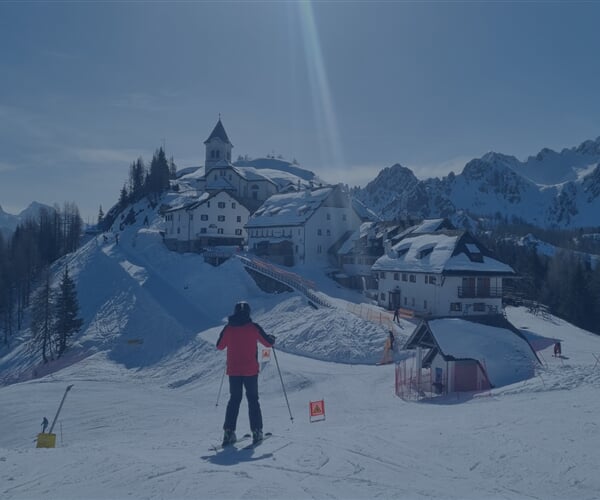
(257, 436)
(228, 438)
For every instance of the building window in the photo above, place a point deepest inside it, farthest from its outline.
(412, 278)
(208, 204)
(202, 230)
(239, 218)
(328, 232)
(204, 217)
(238, 232)
(425, 305)
(432, 280)
(221, 218)
(456, 306)
(396, 276)
(319, 232)
(343, 216)
(382, 296)
(328, 216)
(319, 249)
(382, 275)
(479, 307)
(178, 230)
(405, 301)
(404, 277)
(233, 205)
(221, 204)
(220, 230)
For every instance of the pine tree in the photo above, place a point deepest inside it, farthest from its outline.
(100, 216)
(172, 169)
(42, 318)
(137, 177)
(158, 178)
(67, 310)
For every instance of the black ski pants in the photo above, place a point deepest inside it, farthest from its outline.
(236, 383)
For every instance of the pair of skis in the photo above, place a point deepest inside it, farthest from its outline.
(244, 438)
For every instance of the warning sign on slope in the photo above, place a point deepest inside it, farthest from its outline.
(317, 410)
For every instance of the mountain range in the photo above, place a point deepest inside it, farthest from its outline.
(551, 189)
(9, 222)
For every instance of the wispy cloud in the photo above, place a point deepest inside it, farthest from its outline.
(103, 155)
(7, 167)
(59, 54)
(145, 101)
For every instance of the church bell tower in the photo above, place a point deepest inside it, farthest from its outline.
(218, 147)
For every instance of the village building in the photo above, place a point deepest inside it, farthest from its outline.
(215, 219)
(303, 226)
(358, 253)
(220, 174)
(474, 353)
(445, 272)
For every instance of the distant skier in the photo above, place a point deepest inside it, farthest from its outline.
(557, 349)
(396, 315)
(239, 337)
(392, 341)
(44, 425)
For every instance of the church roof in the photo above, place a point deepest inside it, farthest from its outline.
(218, 132)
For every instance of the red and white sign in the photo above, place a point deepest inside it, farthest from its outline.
(266, 355)
(317, 410)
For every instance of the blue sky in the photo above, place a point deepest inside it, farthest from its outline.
(346, 88)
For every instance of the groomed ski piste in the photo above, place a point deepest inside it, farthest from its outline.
(145, 407)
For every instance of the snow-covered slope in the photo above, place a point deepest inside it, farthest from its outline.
(147, 433)
(148, 403)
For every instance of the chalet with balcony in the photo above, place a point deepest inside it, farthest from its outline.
(445, 272)
(357, 255)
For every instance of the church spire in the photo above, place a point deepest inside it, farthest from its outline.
(218, 147)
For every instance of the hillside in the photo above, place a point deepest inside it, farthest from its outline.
(549, 190)
(147, 401)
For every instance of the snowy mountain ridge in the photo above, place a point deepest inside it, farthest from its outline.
(9, 222)
(551, 189)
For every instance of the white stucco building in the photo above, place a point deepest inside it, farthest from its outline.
(302, 226)
(215, 219)
(442, 273)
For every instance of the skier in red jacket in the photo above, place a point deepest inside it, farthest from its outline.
(239, 337)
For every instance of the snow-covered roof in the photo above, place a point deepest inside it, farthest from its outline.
(220, 183)
(203, 199)
(289, 209)
(505, 356)
(440, 253)
(428, 226)
(361, 232)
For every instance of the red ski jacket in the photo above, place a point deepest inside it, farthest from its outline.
(242, 352)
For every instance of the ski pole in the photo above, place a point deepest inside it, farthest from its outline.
(221, 386)
(282, 386)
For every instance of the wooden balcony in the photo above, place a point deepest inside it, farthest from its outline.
(479, 293)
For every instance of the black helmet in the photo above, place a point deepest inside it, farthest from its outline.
(242, 308)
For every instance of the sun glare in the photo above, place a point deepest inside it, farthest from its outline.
(323, 106)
